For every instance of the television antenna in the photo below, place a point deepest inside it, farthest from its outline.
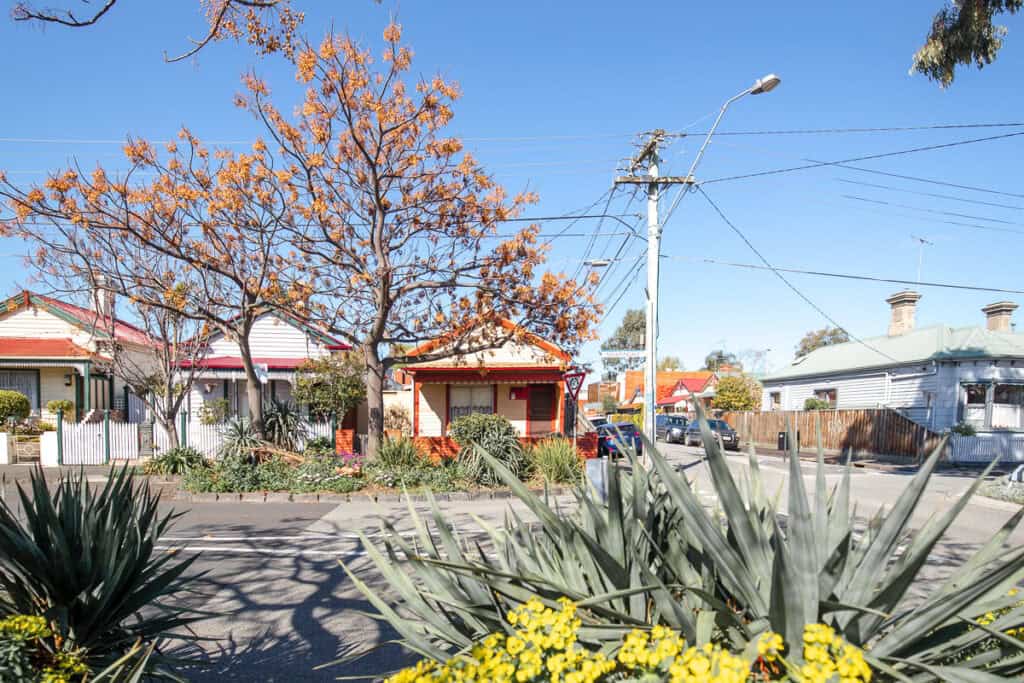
(921, 243)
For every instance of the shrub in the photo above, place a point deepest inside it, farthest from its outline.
(556, 461)
(44, 426)
(214, 412)
(399, 455)
(964, 429)
(174, 461)
(239, 438)
(83, 559)
(284, 426)
(61, 404)
(493, 434)
(332, 385)
(654, 554)
(199, 480)
(274, 474)
(321, 445)
(817, 404)
(236, 472)
(14, 405)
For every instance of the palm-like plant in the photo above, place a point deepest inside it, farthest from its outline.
(84, 559)
(653, 553)
(284, 426)
(239, 439)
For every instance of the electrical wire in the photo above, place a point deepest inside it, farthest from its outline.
(785, 280)
(635, 270)
(886, 129)
(844, 276)
(935, 195)
(840, 162)
(937, 211)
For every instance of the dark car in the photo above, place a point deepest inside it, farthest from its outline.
(609, 437)
(598, 421)
(730, 439)
(670, 428)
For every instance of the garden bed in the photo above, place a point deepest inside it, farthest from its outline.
(998, 490)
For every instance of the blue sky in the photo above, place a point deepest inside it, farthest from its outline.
(554, 94)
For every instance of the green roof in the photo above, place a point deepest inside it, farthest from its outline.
(934, 343)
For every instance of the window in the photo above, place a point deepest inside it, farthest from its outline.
(1008, 406)
(975, 398)
(827, 395)
(467, 400)
(775, 400)
(24, 382)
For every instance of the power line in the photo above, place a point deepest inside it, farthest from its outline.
(884, 155)
(935, 211)
(844, 276)
(886, 129)
(946, 221)
(782, 277)
(931, 181)
(936, 195)
(530, 138)
(635, 270)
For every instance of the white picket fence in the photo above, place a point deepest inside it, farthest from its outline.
(84, 443)
(985, 447)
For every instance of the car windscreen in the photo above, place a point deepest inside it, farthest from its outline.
(676, 421)
(720, 425)
(627, 429)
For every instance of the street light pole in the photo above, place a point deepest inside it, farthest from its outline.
(654, 181)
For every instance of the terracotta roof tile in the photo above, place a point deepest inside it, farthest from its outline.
(33, 347)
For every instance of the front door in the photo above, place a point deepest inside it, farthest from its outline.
(540, 412)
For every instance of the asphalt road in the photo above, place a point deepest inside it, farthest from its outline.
(280, 604)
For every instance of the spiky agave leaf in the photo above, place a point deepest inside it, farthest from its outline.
(85, 558)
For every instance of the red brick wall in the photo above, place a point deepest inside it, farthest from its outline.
(440, 447)
(345, 441)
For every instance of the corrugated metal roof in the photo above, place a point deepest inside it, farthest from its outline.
(936, 342)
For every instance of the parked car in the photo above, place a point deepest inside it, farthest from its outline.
(598, 421)
(669, 428)
(610, 435)
(730, 439)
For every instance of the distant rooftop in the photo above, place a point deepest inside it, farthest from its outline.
(937, 342)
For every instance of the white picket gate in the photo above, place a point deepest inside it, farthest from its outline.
(84, 443)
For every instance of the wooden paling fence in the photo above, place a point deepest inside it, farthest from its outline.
(871, 431)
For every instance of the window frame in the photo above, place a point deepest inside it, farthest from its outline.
(833, 402)
(473, 407)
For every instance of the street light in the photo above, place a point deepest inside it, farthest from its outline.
(762, 85)
(766, 84)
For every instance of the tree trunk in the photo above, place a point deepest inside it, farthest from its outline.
(171, 427)
(167, 414)
(253, 388)
(375, 371)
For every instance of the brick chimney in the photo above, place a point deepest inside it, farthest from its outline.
(904, 305)
(998, 315)
(103, 301)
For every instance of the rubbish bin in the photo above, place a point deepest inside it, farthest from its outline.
(783, 441)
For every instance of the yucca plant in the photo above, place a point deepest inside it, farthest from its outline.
(556, 461)
(284, 426)
(239, 439)
(83, 558)
(655, 554)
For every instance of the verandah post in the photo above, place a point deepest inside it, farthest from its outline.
(60, 437)
(183, 439)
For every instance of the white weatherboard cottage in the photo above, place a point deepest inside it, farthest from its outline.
(279, 343)
(938, 376)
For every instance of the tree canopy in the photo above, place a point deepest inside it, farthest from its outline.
(963, 33)
(816, 339)
(718, 358)
(737, 392)
(669, 363)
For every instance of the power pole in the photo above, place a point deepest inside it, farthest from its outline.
(654, 182)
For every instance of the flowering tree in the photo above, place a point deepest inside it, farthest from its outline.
(399, 225)
(201, 236)
(267, 25)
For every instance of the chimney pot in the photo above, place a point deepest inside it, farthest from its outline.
(904, 306)
(998, 316)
